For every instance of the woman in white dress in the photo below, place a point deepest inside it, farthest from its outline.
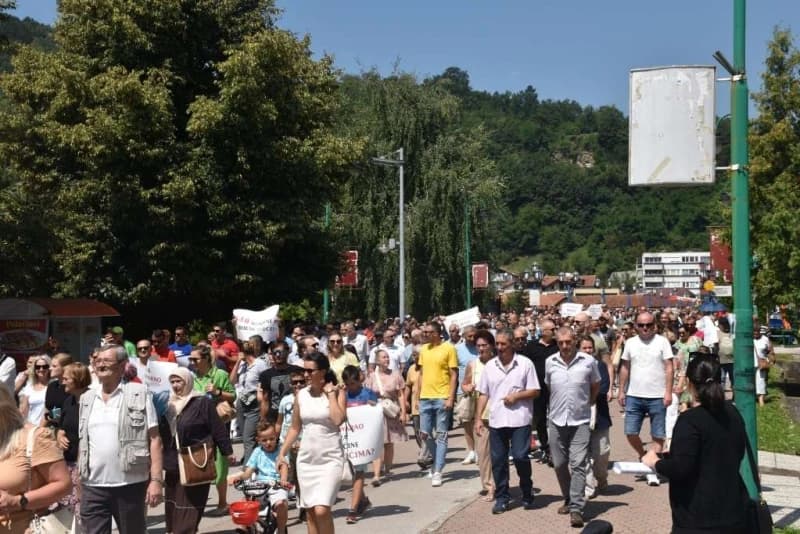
(319, 410)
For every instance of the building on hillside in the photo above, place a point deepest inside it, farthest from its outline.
(674, 270)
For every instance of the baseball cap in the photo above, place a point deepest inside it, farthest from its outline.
(117, 330)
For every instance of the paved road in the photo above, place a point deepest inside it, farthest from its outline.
(408, 504)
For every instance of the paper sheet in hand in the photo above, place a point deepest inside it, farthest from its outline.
(635, 468)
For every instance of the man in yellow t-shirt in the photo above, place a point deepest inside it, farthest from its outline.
(438, 364)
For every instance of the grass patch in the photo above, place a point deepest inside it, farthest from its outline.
(777, 432)
(786, 530)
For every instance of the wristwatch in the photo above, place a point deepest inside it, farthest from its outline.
(23, 501)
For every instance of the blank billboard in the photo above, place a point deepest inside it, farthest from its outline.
(671, 126)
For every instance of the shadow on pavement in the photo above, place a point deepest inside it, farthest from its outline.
(595, 508)
(378, 511)
(617, 489)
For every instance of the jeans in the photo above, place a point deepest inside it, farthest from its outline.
(434, 418)
(569, 447)
(635, 410)
(516, 440)
(726, 370)
(247, 421)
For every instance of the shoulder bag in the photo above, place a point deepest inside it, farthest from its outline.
(60, 521)
(759, 518)
(391, 408)
(196, 463)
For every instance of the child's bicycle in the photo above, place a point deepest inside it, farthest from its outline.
(248, 513)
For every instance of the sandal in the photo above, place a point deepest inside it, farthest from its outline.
(376, 482)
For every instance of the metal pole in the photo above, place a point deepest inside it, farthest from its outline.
(744, 373)
(402, 290)
(326, 296)
(467, 262)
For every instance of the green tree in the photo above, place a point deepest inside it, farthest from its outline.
(178, 150)
(774, 168)
(445, 166)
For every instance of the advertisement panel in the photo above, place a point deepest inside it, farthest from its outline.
(671, 126)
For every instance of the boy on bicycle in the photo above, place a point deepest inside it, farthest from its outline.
(263, 463)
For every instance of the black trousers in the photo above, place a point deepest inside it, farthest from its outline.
(124, 503)
(183, 505)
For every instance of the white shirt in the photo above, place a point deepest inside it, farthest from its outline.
(35, 403)
(710, 336)
(104, 451)
(647, 378)
(8, 373)
(760, 349)
(361, 344)
(396, 356)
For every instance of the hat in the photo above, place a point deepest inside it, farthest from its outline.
(117, 330)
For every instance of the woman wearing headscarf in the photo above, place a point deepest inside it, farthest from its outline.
(192, 417)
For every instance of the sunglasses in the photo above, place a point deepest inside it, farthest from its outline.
(38, 367)
(644, 325)
(142, 348)
(337, 341)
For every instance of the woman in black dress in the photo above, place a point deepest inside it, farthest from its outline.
(706, 493)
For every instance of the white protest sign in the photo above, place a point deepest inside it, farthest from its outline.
(156, 378)
(362, 433)
(570, 309)
(262, 323)
(595, 311)
(463, 319)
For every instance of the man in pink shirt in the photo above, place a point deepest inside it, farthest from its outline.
(508, 385)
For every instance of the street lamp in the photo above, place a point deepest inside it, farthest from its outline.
(570, 280)
(599, 285)
(399, 162)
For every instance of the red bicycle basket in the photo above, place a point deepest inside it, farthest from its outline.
(244, 512)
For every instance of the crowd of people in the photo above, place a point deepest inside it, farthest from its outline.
(91, 440)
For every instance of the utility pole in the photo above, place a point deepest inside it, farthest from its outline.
(744, 373)
(467, 261)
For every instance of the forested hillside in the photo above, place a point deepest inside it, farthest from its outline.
(568, 201)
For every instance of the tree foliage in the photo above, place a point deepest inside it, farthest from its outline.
(171, 150)
(774, 171)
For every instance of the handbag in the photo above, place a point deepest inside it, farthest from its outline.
(391, 408)
(226, 411)
(764, 363)
(465, 408)
(759, 518)
(60, 521)
(196, 463)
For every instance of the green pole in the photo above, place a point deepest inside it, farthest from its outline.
(326, 295)
(744, 373)
(467, 262)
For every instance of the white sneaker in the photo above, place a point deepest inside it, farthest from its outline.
(436, 480)
(469, 459)
(653, 480)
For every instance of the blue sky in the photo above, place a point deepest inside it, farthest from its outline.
(569, 49)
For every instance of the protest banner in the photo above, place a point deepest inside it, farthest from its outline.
(262, 323)
(156, 378)
(595, 311)
(362, 433)
(463, 319)
(570, 309)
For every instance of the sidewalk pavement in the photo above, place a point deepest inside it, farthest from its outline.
(407, 503)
